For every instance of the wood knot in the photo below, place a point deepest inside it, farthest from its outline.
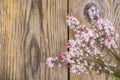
(91, 12)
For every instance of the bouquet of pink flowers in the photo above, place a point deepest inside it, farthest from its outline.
(86, 50)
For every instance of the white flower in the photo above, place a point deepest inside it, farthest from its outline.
(78, 69)
(50, 62)
(71, 43)
(73, 69)
(72, 21)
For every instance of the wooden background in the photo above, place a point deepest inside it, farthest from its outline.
(32, 30)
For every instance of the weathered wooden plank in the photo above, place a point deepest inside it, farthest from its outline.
(55, 36)
(31, 31)
(109, 9)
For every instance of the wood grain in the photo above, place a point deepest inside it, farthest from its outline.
(110, 9)
(31, 31)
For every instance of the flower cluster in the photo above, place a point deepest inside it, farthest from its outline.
(85, 52)
(106, 31)
(51, 61)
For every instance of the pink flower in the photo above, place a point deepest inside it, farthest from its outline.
(70, 14)
(78, 69)
(73, 69)
(50, 62)
(85, 30)
(71, 44)
(110, 42)
(72, 21)
(68, 45)
(99, 21)
(65, 56)
(91, 47)
(108, 38)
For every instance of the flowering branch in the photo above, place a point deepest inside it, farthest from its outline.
(85, 51)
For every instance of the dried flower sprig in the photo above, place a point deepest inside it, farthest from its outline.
(85, 52)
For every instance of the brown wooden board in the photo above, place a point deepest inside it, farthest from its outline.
(110, 9)
(31, 31)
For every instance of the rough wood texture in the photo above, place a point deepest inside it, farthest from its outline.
(31, 31)
(109, 9)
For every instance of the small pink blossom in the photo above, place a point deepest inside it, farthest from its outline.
(92, 47)
(50, 62)
(85, 30)
(108, 38)
(72, 21)
(78, 69)
(70, 14)
(65, 56)
(71, 44)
